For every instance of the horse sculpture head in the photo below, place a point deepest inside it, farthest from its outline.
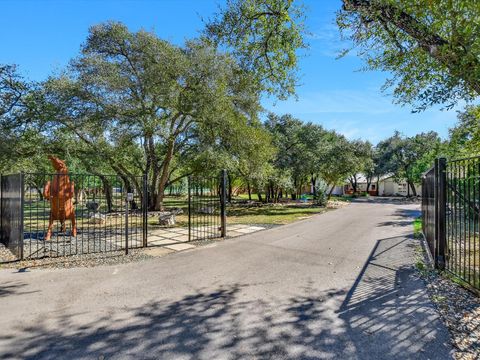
(58, 164)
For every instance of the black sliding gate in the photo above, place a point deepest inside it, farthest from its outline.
(451, 217)
(109, 213)
(206, 207)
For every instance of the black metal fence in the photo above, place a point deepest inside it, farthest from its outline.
(79, 214)
(51, 215)
(428, 208)
(451, 217)
(206, 207)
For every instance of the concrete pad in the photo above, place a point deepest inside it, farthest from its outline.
(181, 238)
(162, 242)
(246, 230)
(181, 231)
(257, 228)
(157, 251)
(159, 232)
(154, 238)
(180, 247)
(234, 234)
(238, 226)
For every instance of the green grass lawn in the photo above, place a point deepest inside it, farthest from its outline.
(37, 212)
(417, 227)
(268, 214)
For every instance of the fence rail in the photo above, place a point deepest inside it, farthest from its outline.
(451, 217)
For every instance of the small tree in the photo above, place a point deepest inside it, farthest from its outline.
(321, 193)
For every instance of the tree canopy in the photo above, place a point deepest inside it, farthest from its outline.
(265, 37)
(407, 158)
(431, 48)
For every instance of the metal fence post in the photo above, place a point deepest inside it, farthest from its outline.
(223, 201)
(126, 224)
(22, 212)
(189, 208)
(145, 210)
(441, 207)
(1, 209)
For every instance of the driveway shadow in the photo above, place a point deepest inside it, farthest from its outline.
(386, 314)
(388, 309)
(13, 288)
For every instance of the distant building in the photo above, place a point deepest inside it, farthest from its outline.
(385, 186)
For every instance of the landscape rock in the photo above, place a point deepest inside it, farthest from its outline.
(177, 211)
(166, 218)
(92, 206)
(207, 210)
(97, 218)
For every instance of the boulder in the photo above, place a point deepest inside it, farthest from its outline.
(207, 210)
(166, 218)
(92, 206)
(176, 211)
(97, 218)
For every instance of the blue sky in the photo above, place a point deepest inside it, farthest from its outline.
(42, 36)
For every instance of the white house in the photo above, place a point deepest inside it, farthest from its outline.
(385, 186)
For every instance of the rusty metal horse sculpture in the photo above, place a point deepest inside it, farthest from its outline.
(60, 191)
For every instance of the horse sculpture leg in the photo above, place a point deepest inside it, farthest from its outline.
(49, 231)
(74, 225)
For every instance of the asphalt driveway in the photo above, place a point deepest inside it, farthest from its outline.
(340, 285)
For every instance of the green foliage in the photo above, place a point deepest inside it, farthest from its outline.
(407, 158)
(265, 36)
(417, 227)
(465, 136)
(361, 160)
(337, 160)
(146, 106)
(431, 48)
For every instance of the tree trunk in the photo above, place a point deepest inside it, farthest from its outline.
(294, 193)
(330, 192)
(259, 194)
(164, 176)
(314, 183)
(353, 182)
(107, 190)
(230, 189)
(40, 193)
(249, 191)
(412, 186)
(128, 189)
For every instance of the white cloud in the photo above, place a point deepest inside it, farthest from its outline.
(363, 114)
(326, 40)
(336, 101)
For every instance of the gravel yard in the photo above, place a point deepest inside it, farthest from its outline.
(50, 258)
(86, 260)
(459, 309)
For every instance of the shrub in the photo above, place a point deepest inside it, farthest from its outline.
(321, 190)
